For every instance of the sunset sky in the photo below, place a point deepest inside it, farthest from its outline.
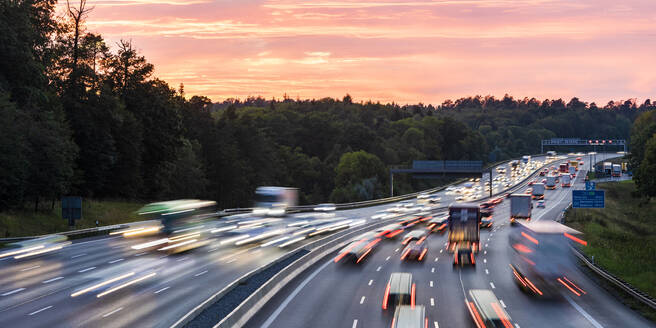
(401, 51)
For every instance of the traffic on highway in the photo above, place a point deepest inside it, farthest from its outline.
(444, 259)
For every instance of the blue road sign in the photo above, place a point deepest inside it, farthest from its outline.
(590, 185)
(588, 199)
(71, 209)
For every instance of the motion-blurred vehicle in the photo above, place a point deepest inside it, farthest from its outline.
(540, 204)
(400, 290)
(487, 208)
(529, 191)
(410, 317)
(486, 222)
(274, 201)
(538, 191)
(434, 199)
(414, 235)
(179, 215)
(438, 224)
(464, 253)
(358, 249)
(486, 310)
(389, 231)
(520, 207)
(544, 172)
(539, 261)
(464, 229)
(415, 250)
(325, 207)
(35, 247)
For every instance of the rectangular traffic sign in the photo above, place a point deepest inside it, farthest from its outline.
(588, 199)
(590, 185)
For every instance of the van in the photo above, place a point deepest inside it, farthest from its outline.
(399, 290)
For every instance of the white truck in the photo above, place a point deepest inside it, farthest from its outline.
(274, 201)
(520, 207)
(539, 260)
(551, 182)
(538, 191)
(608, 168)
(566, 180)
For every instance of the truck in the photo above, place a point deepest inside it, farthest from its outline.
(565, 180)
(520, 207)
(572, 172)
(526, 159)
(514, 164)
(274, 201)
(575, 164)
(563, 168)
(608, 167)
(617, 170)
(539, 258)
(464, 231)
(538, 191)
(551, 182)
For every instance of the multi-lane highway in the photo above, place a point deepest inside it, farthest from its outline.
(338, 295)
(36, 292)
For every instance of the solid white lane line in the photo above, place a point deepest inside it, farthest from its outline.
(355, 323)
(51, 280)
(37, 311)
(487, 272)
(291, 296)
(30, 268)
(370, 282)
(582, 312)
(161, 290)
(114, 261)
(78, 255)
(378, 269)
(110, 313)
(87, 269)
(13, 292)
(502, 303)
(362, 300)
(492, 285)
(200, 273)
(432, 301)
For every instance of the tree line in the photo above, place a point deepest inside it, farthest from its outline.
(81, 117)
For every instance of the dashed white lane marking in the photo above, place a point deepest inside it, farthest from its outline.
(437, 258)
(115, 261)
(200, 273)
(387, 259)
(182, 259)
(486, 245)
(432, 301)
(487, 272)
(582, 312)
(492, 285)
(502, 303)
(396, 250)
(484, 260)
(13, 291)
(378, 269)
(370, 282)
(78, 255)
(110, 313)
(87, 269)
(161, 290)
(484, 252)
(441, 250)
(142, 253)
(31, 268)
(517, 326)
(432, 270)
(435, 324)
(488, 239)
(362, 300)
(355, 323)
(37, 311)
(431, 283)
(51, 280)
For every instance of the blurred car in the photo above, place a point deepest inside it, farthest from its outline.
(508, 195)
(530, 183)
(415, 251)
(486, 310)
(433, 199)
(357, 250)
(35, 247)
(410, 317)
(540, 204)
(528, 190)
(438, 224)
(325, 207)
(487, 208)
(486, 222)
(544, 181)
(463, 255)
(414, 235)
(399, 290)
(389, 231)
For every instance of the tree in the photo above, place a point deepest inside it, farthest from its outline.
(359, 176)
(645, 176)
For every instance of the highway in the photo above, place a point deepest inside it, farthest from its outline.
(36, 292)
(345, 295)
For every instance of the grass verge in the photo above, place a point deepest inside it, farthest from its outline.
(19, 223)
(622, 236)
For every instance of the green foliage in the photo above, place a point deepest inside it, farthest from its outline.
(359, 176)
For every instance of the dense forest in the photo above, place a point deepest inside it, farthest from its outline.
(83, 117)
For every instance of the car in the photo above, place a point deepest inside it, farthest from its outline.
(400, 290)
(544, 181)
(486, 310)
(438, 224)
(325, 207)
(530, 183)
(540, 204)
(463, 255)
(508, 195)
(581, 163)
(486, 222)
(389, 231)
(529, 190)
(414, 235)
(415, 250)
(358, 249)
(410, 317)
